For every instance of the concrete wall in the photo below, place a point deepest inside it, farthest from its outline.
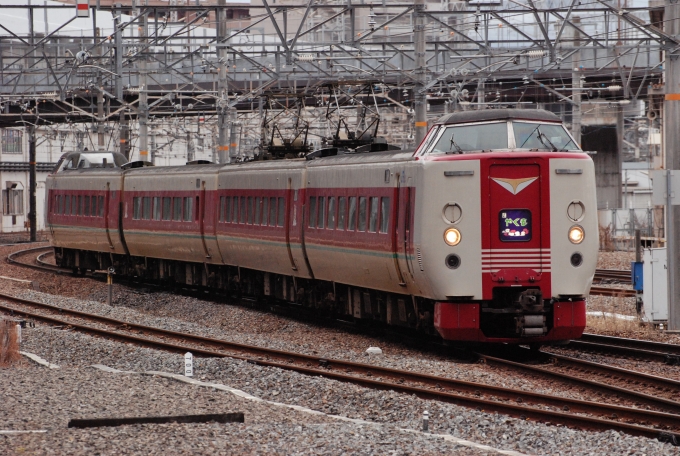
(603, 139)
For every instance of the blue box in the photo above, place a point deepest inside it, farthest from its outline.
(636, 275)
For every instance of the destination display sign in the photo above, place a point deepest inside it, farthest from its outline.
(515, 225)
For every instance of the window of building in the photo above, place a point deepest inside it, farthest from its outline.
(362, 214)
(351, 225)
(342, 212)
(384, 214)
(12, 141)
(13, 201)
(188, 208)
(373, 214)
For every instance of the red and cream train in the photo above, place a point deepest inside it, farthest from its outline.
(486, 233)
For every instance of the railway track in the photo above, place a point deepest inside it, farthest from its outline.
(613, 275)
(606, 291)
(547, 408)
(644, 349)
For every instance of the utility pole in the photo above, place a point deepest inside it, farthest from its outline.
(143, 92)
(124, 133)
(32, 218)
(576, 85)
(671, 136)
(222, 88)
(419, 95)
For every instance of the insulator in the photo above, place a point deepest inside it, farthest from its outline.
(305, 57)
(536, 53)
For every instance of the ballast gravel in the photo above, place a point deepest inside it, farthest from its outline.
(39, 398)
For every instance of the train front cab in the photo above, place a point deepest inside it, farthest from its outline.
(528, 266)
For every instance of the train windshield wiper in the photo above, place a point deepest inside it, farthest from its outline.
(541, 137)
(529, 136)
(453, 144)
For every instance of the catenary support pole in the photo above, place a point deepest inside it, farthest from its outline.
(671, 117)
(32, 218)
(222, 99)
(419, 95)
(576, 85)
(143, 93)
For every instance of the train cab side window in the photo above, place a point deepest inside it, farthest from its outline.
(373, 214)
(282, 211)
(74, 204)
(312, 211)
(342, 211)
(321, 212)
(272, 211)
(242, 211)
(101, 206)
(362, 214)
(384, 214)
(157, 208)
(86, 206)
(188, 208)
(167, 208)
(146, 209)
(351, 225)
(331, 213)
(265, 210)
(136, 208)
(251, 210)
(177, 209)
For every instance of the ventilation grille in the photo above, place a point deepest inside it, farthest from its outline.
(420, 258)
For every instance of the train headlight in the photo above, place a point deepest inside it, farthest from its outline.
(452, 236)
(576, 234)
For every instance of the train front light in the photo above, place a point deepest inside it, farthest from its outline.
(576, 234)
(452, 236)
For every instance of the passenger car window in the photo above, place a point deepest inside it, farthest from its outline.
(384, 214)
(362, 214)
(342, 211)
(351, 224)
(331, 213)
(373, 214)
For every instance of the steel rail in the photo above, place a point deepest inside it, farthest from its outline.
(639, 378)
(670, 349)
(12, 258)
(620, 275)
(636, 396)
(605, 291)
(329, 368)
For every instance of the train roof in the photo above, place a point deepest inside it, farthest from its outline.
(498, 114)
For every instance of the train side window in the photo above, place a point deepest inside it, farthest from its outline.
(68, 204)
(258, 208)
(101, 206)
(146, 209)
(93, 207)
(188, 209)
(177, 209)
(86, 206)
(272, 211)
(234, 209)
(342, 212)
(223, 208)
(312, 211)
(373, 214)
(384, 214)
(362, 214)
(331, 213)
(79, 206)
(74, 204)
(55, 204)
(136, 207)
(157, 208)
(242, 210)
(282, 211)
(61, 203)
(251, 210)
(321, 212)
(351, 225)
(167, 208)
(265, 210)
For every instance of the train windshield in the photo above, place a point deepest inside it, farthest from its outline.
(465, 138)
(542, 136)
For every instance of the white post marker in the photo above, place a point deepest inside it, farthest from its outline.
(426, 420)
(19, 333)
(83, 8)
(188, 365)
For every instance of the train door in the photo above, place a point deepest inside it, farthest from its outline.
(402, 236)
(515, 251)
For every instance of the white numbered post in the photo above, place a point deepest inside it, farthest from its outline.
(188, 365)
